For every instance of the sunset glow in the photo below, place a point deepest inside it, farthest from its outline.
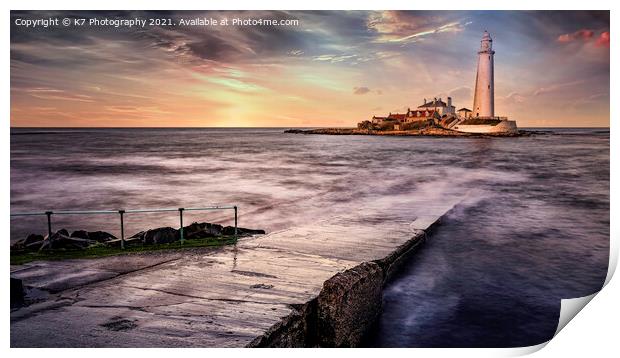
(334, 68)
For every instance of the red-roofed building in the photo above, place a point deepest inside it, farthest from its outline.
(440, 106)
(398, 116)
(410, 116)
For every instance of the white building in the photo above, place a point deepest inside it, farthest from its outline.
(464, 113)
(439, 106)
(482, 119)
(484, 97)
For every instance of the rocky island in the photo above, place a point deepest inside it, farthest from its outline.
(438, 118)
(430, 131)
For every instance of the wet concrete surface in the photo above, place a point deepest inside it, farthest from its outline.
(224, 297)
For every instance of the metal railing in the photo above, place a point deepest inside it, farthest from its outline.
(122, 213)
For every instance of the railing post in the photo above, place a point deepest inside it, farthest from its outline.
(235, 222)
(181, 221)
(49, 227)
(121, 213)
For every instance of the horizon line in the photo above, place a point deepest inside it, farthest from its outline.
(199, 127)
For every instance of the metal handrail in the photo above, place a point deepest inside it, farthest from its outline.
(122, 212)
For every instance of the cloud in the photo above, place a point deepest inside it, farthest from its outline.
(603, 39)
(556, 87)
(583, 35)
(135, 109)
(461, 93)
(56, 94)
(295, 53)
(515, 97)
(189, 44)
(594, 99)
(333, 58)
(408, 26)
(360, 90)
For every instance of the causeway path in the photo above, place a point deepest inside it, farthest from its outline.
(233, 296)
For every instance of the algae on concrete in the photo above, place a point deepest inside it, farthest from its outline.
(102, 250)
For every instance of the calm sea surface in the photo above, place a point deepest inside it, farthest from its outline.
(534, 228)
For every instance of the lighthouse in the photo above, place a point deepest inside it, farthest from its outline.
(484, 97)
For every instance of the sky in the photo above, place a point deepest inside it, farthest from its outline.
(332, 68)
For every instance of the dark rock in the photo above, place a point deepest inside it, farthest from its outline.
(70, 243)
(230, 230)
(32, 238)
(81, 239)
(80, 234)
(202, 230)
(348, 305)
(100, 236)
(62, 232)
(34, 246)
(132, 241)
(162, 235)
(61, 240)
(137, 235)
(31, 243)
(17, 291)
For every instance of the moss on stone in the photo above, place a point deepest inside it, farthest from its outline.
(101, 250)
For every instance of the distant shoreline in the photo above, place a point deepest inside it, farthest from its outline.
(250, 127)
(426, 132)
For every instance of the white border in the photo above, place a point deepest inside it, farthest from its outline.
(593, 330)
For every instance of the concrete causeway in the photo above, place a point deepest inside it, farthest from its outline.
(296, 287)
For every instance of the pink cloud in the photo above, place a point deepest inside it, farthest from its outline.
(603, 40)
(583, 34)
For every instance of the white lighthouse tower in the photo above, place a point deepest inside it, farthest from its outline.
(484, 97)
(484, 120)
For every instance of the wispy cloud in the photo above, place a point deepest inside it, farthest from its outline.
(135, 109)
(333, 58)
(451, 27)
(515, 97)
(56, 94)
(361, 90)
(556, 87)
(407, 27)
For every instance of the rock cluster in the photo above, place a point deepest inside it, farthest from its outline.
(82, 239)
(79, 239)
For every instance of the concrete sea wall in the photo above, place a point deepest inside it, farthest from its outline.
(504, 126)
(315, 285)
(346, 308)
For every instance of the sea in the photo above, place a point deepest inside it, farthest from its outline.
(533, 230)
